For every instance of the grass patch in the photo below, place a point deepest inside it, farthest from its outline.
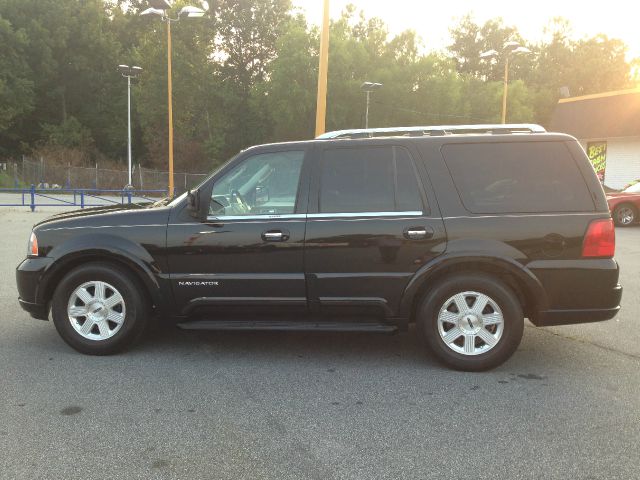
(7, 181)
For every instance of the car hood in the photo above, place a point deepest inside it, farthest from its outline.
(89, 212)
(623, 195)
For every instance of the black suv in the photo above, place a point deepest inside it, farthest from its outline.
(464, 231)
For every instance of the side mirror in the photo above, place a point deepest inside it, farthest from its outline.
(194, 199)
(198, 208)
(261, 195)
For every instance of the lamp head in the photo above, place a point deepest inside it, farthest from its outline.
(370, 86)
(153, 11)
(489, 54)
(511, 46)
(520, 50)
(191, 12)
(124, 69)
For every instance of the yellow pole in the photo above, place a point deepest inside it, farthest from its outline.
(504, 93)
(170, 94)
(321, 107)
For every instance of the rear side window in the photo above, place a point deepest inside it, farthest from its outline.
(520, 177)
(372, 179)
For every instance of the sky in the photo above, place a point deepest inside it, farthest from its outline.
(432, 19)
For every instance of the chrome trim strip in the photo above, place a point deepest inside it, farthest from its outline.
(302, 216)
(520, 215)
(223, 218)
(415, 213)
(102, 226)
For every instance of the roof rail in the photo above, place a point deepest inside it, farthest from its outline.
(435, 130)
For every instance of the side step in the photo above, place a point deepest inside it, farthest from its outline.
(288, 326)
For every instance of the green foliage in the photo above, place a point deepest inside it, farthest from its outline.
(16, 86)
(246, 73)
(70, 133)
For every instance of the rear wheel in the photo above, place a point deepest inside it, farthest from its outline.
(99, 309)
(624, 215)
(471, 322)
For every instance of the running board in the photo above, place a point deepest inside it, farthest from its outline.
(288, 326)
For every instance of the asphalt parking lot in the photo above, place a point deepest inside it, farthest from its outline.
(194, 405)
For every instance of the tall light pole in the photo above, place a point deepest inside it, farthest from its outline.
(508, 49)
(129, 73)
(161, 8)
(323, 71)
(369, 87)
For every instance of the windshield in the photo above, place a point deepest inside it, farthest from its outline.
(178, 199)
(633, 188)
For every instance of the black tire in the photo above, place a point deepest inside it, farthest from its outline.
(617, 215)
(513, 321)
(135, 315)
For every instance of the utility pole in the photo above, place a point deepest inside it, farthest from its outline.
(323, 70)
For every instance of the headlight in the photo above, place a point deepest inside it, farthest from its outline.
(32, 248)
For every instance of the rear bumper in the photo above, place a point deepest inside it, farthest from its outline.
(549, 318)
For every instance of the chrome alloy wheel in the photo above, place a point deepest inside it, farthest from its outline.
(470, 323)
(625, 215)
(96, 310)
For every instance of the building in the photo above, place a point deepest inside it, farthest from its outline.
(608, 127)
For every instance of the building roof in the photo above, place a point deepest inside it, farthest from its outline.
(600, 116)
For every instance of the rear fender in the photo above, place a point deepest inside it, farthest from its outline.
(472, 262)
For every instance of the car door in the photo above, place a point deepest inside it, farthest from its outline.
(248, 253)
(369, 229)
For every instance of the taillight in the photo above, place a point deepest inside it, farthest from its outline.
(32, 248)
(600, 239)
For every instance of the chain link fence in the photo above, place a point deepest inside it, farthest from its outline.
(28, 171)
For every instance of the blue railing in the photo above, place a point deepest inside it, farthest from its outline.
(63, 197)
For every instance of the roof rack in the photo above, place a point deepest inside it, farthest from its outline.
(435, 131)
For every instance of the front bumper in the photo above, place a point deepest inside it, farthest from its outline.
(29, 276)
(36, 310)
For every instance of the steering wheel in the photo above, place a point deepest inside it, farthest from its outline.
(240, 204)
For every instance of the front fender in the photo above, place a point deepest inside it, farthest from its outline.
(107, 247)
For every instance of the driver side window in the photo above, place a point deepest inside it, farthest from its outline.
(264, 184)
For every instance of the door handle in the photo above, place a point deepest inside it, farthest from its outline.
(418, 233)
(275, 236)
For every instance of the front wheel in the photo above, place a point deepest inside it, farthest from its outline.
(99, 309)
(471, 322)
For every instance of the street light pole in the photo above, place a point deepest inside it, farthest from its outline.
(129, 126)
(161, 8)
(366, 115)
(129, 73)
(369, 87)
(508, 49)
(505, 90)
(170, 107)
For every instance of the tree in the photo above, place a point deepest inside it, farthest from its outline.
(291, 91)
(16, 86)
(470, 40)
(72, 57)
